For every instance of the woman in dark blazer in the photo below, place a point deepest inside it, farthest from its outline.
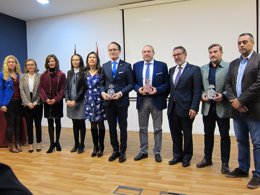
(51, 91)
(74, 97)
(10, 100)
(29, 85)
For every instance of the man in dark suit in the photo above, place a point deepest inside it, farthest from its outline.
(151, 86)
(243, 91)
(215, 107)
(185, 94)
(116, 81)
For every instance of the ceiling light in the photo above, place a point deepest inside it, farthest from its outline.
(43, 1)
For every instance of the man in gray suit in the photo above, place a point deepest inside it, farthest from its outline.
(243, 91)
(215, 108)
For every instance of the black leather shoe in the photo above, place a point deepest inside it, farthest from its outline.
(174, 161)
(237, 172)
(95, 151)
(81, 149)
(100, 151)
(224, 168)
(158, 158)
(204, 163)
(58, 147)
(74, 149)
(186, 163)
(140, 156)
(122, 157)
(113, 156)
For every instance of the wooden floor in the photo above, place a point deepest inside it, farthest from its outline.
(65, 173)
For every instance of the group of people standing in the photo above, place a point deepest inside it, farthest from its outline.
(95, 93)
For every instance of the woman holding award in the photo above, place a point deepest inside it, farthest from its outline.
(94, 110)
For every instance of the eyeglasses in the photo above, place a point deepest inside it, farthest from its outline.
(177, 54)
(30, 64)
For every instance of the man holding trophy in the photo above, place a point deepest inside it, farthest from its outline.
(151, 86)
(215, 108)
(116, 81)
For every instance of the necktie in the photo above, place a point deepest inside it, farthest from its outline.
(147, 72)
(114, 69)
(178, 75)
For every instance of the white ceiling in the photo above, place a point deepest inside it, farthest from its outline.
(31, 9)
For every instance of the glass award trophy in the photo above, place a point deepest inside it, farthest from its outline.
(211, 92)
(147, 87)
(111, 90)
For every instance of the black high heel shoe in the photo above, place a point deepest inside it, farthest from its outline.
(58, 147)
(100, 151)
(51, 148)
(95, 151)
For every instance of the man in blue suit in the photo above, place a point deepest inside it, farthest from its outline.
(151, 86)
(116, 81)
(185, 93)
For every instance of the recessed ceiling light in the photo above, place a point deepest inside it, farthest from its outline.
(43, 1)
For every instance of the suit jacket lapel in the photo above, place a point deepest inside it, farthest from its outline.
(250, 63)
(155, 70)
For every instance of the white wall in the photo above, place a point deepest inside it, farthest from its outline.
(194, 24)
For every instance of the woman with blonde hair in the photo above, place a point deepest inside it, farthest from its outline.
(29, 85)
(10, 100)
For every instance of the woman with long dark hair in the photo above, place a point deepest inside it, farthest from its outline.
(74, 97)
(94, 110)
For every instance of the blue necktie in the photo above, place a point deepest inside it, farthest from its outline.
(147, 72)
(178, 76)
(114, 69)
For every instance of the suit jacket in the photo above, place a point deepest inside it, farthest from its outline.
(187, 93)
(250, 96)
(159, 81)
(80, 83)
(25, 92)
(223, 108)
(123, 81)
(6, 90)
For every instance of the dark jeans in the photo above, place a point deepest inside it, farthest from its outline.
(209, 128)
(14, 118)
(36, 116)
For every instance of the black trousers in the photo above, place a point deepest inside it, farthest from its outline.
(14, 118)
(181, 133)
(34, 115)
(98, 133)
(79, 128)
(51, 129)
(116, 115)
(209, 127)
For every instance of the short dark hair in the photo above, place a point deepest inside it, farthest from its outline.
(180, 47)
(113, 42)
(247, 34)
(47, 67)
(215, 45)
